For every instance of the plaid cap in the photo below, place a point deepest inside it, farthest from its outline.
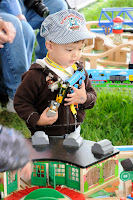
(65, 27)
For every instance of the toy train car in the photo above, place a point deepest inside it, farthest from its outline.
(115, 78)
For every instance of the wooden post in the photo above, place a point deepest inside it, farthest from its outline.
(81, 181)
(93, 63)
(18, 179)
(5, 184)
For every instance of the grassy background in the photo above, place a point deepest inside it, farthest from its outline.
(92, 12)
(112, 116)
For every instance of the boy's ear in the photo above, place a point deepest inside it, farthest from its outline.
(49, 46)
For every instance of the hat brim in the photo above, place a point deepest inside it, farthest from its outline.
(74, 36)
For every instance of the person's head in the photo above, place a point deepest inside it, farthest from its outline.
(65, 32)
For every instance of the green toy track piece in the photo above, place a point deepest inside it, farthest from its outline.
(44, 193)
(47, 198)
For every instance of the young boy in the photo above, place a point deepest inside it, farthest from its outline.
(64, 32)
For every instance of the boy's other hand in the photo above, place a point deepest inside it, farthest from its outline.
(45, 120)
(78, 96)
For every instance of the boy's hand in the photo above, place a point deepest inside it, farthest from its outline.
(78, 96)
(45, 120)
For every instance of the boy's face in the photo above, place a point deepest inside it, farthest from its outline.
(66, 55)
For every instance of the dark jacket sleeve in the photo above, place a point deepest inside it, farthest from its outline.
(26, 96)
(91, 94)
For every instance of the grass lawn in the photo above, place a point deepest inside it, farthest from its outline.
(111, 117)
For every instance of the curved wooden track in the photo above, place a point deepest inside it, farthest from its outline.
(116, 54)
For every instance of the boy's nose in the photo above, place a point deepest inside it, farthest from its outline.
(75, 54)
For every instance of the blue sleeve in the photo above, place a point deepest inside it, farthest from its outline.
(12, 7)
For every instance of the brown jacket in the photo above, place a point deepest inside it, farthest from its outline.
(33, 96)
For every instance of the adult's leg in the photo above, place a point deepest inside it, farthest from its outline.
(3, 90)
(36, 21)
(16, 57)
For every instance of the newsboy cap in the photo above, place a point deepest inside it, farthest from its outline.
(65, 27)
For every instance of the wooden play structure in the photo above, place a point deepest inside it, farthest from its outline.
(91, 177)
(78, 178)
(86, 175)
(102, 50)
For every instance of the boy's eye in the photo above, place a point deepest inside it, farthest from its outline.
(69, 49)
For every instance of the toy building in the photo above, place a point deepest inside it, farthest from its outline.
(87, 180)
(76, 168)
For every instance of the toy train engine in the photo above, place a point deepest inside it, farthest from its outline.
(117, 78)
(62, 93)
(100, 78)
(76, 78)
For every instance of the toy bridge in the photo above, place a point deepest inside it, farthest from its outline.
(107, 25)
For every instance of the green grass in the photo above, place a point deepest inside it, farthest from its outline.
(92, 12)
(13, 121)
(111, 118)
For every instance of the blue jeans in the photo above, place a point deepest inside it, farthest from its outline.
(15, 58)
(35, 21)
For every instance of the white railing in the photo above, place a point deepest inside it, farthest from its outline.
(78, 4)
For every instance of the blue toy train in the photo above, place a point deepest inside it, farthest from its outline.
(110, 77)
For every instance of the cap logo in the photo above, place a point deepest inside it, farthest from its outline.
(73, 24)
